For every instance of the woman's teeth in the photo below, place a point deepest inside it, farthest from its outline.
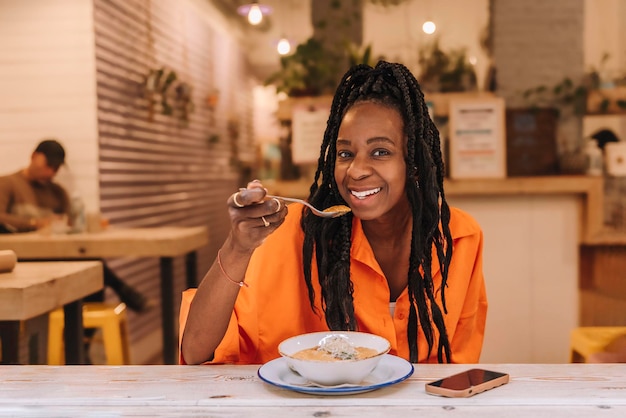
(363, 195)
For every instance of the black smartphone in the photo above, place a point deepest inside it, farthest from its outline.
(467, 383)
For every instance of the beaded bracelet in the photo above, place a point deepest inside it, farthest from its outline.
(219, 263)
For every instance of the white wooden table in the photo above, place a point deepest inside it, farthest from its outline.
(36, 288)
(163, 242)
(535, 390)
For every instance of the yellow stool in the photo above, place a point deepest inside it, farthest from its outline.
(110, 318)
(585, 341)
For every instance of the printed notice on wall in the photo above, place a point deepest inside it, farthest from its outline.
(308, 124)
(477, 138)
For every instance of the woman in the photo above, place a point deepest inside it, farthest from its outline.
(401, 264)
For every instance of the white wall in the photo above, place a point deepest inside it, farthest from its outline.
(47, 86)
(605, 32)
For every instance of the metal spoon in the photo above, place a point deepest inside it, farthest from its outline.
(341, 209)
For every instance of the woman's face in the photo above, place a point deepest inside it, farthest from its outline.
(370, 170)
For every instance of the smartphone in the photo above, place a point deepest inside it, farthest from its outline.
(467, 383)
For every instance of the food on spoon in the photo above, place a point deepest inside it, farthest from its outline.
(335, 348)
(338, 208)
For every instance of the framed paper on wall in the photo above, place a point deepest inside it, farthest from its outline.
(477, 138)
(308, 124)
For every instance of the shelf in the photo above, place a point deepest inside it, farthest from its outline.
(590, 189)
(440, 102)
(595, 98)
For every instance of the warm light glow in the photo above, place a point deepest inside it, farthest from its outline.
(473, 60)
(255, 15)
(254, 12)
(283, 47)
(429, 27)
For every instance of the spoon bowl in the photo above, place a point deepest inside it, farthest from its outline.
(334, 212)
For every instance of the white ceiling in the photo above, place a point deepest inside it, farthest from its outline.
(289, 18)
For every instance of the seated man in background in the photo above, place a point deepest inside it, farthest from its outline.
(30, 200)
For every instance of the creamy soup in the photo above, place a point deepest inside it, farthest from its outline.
(335, 348)
(315, 353)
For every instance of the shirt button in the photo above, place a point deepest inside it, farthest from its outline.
(400, 316)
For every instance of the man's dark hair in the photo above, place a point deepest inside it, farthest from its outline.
(54, 152)
(394, 86)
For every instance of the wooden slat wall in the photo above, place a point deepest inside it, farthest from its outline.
(159, 172)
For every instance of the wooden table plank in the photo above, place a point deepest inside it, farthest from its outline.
(112, 242)
(553, 390)
(35, 288)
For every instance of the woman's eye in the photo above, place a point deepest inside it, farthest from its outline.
(380, 153)
(343, 154)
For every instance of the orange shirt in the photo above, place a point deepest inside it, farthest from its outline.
(275, 305)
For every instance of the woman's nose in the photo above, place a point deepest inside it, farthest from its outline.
(359, 168)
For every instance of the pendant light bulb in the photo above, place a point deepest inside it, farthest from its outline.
(283, 47)
(255, 15)
(429, 27)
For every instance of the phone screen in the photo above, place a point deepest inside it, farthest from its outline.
(467, 379)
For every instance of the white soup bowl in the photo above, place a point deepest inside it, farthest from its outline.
(336, 372)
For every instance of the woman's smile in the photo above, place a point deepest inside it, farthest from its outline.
(362, 195)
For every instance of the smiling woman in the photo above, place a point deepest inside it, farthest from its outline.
(381, 157)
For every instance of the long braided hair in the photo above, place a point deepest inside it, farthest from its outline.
(391, 85)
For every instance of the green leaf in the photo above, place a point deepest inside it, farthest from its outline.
(580, 92)
(171, 77)
(567, 83)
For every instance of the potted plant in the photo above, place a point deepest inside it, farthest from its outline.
(442, 71)
(314, 70)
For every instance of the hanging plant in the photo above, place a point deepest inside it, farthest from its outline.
(314, 70)
(184, 102)
(175, 99)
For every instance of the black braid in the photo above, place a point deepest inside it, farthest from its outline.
(391, 85)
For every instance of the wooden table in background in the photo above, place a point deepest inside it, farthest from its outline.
(163, 242)
(535, 390)
(33, 289)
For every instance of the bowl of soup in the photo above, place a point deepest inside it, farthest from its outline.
(334, 357)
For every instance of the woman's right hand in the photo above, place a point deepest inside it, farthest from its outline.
(252, 217)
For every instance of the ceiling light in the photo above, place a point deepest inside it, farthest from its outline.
(429, 27)
(254, 11)
(284, 46)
